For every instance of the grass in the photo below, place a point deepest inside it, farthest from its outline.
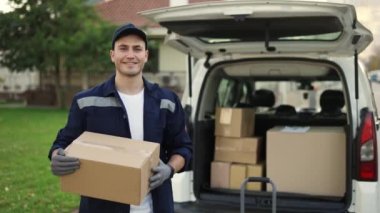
(26, 183)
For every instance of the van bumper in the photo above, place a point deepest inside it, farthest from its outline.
(365, 197)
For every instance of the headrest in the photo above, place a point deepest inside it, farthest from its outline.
(263, 98)
(331, 100)
(285, 109)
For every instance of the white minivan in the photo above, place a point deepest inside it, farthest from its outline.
(295, 63)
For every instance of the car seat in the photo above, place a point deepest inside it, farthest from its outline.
(263, 98)
(285, 110)
(331, 102)
(259, 98)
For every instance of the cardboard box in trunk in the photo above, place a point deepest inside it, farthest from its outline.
(310, 160)
(234, 122)
(255, 171)
(238, 173)
(237, 150)
(231, 175)
(220, 174)
(112, 168)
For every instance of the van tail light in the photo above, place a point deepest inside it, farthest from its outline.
(367, 149)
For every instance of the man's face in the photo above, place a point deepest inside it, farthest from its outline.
(129, 55)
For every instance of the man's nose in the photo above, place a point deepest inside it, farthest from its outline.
(130, 54)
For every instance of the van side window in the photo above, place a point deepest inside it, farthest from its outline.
(232, 93)
(224, 92)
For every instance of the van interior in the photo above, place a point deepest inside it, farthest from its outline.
(284, 92)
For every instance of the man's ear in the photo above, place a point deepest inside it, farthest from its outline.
(146, 55)
(111, 55)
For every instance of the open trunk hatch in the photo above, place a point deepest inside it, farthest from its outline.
(229, 27)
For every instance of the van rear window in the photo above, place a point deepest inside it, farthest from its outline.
(238, 29)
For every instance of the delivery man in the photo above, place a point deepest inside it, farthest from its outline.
(127, 105)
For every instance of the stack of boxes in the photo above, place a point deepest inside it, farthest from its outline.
(237, 151)
(306, 160)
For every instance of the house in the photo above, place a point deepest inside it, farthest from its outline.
(14, 84)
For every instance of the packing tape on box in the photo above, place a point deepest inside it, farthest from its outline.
(234, 147)
(225, 116)
(112, 147)
(227, 148)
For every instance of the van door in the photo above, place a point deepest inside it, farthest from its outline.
(259, 27)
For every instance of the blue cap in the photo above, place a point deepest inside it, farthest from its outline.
(128, 29)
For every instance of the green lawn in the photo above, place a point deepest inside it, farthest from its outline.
(26, 183)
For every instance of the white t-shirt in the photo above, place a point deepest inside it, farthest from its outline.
(134, 104)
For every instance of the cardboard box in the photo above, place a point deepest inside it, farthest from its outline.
(238, 150)
(220, 174)
(237, 175)
(112, 168)
(310, 160)
(234, 122)
(255, 171)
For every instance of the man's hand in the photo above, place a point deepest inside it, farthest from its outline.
(161, 173)
(62, 164)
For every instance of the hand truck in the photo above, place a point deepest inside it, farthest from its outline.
(257, 179)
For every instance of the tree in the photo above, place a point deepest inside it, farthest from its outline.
(374, 61)
(90, 49)
(54, 35)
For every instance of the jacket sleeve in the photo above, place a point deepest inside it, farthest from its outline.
(74, 127)
(180, 142)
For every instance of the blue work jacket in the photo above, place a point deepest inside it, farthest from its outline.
(101, 110)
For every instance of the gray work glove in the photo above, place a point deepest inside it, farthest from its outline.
(62, 164)
(160, 173)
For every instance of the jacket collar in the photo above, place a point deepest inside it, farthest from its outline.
(109, 86)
